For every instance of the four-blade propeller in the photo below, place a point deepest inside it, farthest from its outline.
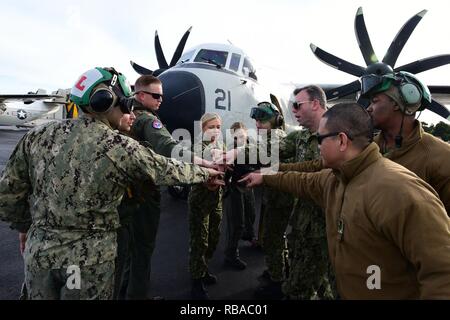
(162, 62)
(374, 66)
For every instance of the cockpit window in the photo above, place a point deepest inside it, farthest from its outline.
(212, 56)
(234, 63)
(186, 57)
(247, 67)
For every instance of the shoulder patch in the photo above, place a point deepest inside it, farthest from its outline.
(157, 124)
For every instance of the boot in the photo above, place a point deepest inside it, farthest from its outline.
(209, 279)
(270, 291)
(265, 276)
(235, 263)
(198, 291)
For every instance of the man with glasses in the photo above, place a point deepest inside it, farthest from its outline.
(145, 200)
(310, 274)
(388, 233)
(395, 99)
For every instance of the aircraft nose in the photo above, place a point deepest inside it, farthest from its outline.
(183, 102)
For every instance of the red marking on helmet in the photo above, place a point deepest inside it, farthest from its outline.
(79, 85)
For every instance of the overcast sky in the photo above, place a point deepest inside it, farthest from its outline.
(48, 44)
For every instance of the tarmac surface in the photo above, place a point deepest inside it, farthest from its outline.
(170, 274)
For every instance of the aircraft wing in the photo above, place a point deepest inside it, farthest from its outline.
(29, 97)
(439, 92)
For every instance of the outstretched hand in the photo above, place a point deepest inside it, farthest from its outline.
(252, 180)
(214, 182)
(219, 163)
(213, 173)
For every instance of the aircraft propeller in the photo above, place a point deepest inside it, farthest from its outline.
(374, 66)
(162, 62)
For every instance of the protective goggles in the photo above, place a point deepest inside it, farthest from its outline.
(126, 105)
(373, 83)
(260, 114)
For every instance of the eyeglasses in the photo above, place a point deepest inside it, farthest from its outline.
(321, 137)
(155, 96)
(297, 105)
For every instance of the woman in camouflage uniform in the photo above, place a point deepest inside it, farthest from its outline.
(205, 211)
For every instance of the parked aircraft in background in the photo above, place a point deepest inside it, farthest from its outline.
(20, 109)
(212, 77)
(221, 78)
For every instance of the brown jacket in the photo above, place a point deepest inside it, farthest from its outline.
(426, 156)
(379, 214)
(422, 153)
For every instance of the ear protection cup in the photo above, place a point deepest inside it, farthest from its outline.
(102, 100)
(410, 93)
(279, 120)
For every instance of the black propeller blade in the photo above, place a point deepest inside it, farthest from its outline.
(344, 90)
(439, 89)
(439, 109)
(141, 70)
(180, 48)
(400, 39)
(425, 64)
(387, 65)
(363, 38)
(336, 62)
(162, 63)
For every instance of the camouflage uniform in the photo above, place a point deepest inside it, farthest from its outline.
(240, 216)
(64, 181)
(205, 216)
(310, 276)
(276, 209)
(124, 247)
(144, 203)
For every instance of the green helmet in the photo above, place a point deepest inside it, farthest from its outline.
(403, 87)
(82, 90)
(267, 112)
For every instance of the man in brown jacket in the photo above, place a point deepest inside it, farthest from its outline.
(401, 138)
(388, 232)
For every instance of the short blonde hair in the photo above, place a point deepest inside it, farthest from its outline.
(209, 116)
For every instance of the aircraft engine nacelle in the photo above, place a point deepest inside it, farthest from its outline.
(189, 93)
